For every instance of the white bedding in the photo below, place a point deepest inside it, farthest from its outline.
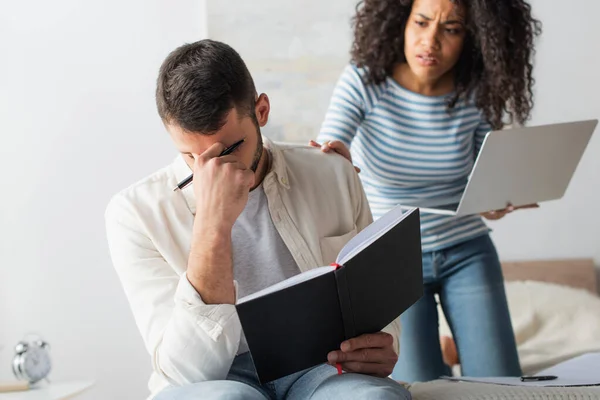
(551, 322)
(446, 390)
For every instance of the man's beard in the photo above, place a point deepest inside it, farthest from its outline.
(259, 151)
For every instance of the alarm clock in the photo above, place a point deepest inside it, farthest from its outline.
(32, 361)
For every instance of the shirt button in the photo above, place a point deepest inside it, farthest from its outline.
(284, 181)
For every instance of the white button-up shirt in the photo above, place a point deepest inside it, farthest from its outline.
(317, 204)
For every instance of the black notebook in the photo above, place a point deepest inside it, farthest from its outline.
(293, 325)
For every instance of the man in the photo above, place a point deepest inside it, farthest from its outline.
(251, 219)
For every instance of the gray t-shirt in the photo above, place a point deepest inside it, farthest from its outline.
(260, 257)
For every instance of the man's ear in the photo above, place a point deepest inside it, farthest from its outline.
(262, 109)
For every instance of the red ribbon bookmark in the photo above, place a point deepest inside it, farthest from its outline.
(337, 266)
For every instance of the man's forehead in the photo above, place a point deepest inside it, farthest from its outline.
(234, 129)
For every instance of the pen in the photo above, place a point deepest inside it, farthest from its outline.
(181, 185)
(538, 378)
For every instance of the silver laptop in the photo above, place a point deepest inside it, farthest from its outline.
(520, 166)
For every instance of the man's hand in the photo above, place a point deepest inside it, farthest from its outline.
(371, 354)
(336, 146)
(497, 214)
(221, 187)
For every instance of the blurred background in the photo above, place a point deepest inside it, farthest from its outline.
(78, 123)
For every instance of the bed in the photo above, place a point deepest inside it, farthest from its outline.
(446, 390)
(555, 311)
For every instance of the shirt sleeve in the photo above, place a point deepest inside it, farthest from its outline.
(346, 108)
(188, 340)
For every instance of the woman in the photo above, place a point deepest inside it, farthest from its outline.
(428, 80)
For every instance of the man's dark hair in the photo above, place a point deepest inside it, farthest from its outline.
(200, 83)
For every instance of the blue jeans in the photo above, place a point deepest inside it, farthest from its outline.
(321, 382)
(468, 279)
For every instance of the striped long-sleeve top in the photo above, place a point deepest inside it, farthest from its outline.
(410, 149)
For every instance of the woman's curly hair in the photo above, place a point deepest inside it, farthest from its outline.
(495, 64)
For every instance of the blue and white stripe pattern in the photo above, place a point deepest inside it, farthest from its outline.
(410, 150)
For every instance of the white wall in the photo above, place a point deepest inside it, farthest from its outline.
(295, 51)
(78, 123)
(568, 84)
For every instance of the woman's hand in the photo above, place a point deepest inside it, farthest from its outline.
(497, 214)
(337, 147)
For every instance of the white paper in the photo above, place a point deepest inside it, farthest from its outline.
(585, 367)
(371, 233)
(305, 276)
(579, 371)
